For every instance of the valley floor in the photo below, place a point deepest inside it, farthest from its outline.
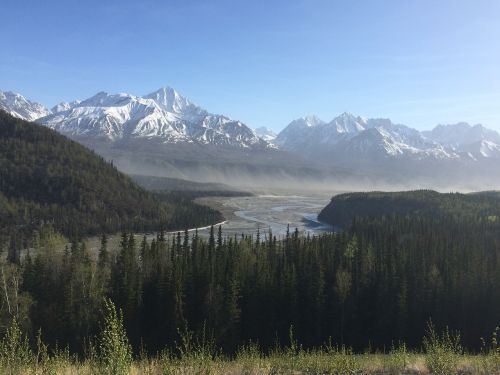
(273, 212)
(248, 214)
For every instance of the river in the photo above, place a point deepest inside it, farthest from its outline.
(247, 215)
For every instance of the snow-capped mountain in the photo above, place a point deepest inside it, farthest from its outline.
(349, 136)
(452, 155)
(114, 117)
(18, 106)
(293, 136)
(461, 134)
(266, 134)
(475, 141)
(163, 115)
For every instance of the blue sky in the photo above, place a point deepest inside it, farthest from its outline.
(418, 62)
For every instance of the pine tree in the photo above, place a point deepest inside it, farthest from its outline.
(219, 238)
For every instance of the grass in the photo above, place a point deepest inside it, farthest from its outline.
(310, 362)
(112, 355)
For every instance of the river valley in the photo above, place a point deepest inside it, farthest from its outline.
(259, 212)
(267, 212)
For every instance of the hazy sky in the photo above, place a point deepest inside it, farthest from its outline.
(419, 62)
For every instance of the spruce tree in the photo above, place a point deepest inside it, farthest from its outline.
(103, 258)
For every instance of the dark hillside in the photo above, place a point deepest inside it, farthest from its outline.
(47, 178)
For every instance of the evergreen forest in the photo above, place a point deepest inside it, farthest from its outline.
(378, 282)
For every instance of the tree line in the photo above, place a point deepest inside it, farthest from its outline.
(343, 208)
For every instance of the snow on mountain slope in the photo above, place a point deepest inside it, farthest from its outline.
(456, 135)
(170, 101)
(481, 149)
(382, 142)
(18, 106)
(310, 131)
(489, 149)
(265, 133)
(348, 136)
(164, 115)
(293, 135)
(115, 117)
(474, 142)
(168, 117)
(64, 106)
(346, 123)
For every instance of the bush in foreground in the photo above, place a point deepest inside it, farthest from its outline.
(199, 355)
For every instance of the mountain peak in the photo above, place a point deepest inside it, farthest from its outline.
(104, 99)
(309, 120)
(346, 115)
(164, 90)
(95, 99)
(18, 106)
(348, 123)
(171, 101)
(64, 106)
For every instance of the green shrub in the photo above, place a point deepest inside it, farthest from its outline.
(115, 352)
(15, 352)
(443, 351)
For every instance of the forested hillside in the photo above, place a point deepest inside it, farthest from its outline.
(47, 178)
(344, 208)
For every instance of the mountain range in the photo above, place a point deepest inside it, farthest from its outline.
(353, 137)
(456, 156)
(163, 114)
(163, 133)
